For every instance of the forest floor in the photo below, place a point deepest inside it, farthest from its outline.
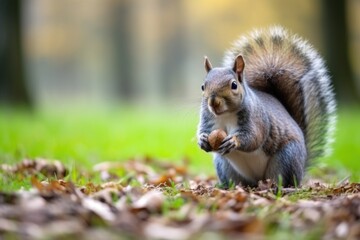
(104, 186)
(151, 199)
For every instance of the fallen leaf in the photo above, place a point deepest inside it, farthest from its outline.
(101, 209)
(151, 201)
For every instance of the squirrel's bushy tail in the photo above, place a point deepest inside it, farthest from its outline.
(289, 68)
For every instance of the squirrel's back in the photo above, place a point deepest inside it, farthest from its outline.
(288, 68)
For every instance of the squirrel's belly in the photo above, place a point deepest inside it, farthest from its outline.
(251, 165)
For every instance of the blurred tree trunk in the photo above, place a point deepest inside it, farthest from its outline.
(336, 35)
(124, 59)
(12, 80)
(174, 48)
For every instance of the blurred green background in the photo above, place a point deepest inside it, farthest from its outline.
(92, 81)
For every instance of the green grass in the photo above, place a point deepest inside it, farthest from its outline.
(82, 138)
(346, 154)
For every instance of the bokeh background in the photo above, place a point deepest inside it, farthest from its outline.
(109, 80)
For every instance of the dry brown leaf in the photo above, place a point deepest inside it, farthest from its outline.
(106, 166)
(37, 184)
(106, 195)
(311, 214)
(156, 230)
(137, 211)
(139, 168)
(151, 201)
(164, 180)
(9, 226)
(115, 185)
(228, 221)
(49, 168)
(90, 188)
(101, 209)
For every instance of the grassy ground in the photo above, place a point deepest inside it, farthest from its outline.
(346, 154)
(83, 138)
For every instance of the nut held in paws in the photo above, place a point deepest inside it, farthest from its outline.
(216, 137)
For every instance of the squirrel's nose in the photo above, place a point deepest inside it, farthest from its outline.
(214, 102)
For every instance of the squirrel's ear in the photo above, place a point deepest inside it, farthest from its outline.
(207, 64)
(239, 66)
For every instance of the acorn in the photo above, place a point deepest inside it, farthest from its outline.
(216, 137)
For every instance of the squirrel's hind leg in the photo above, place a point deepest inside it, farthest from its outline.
(227, 174)
(288, 165)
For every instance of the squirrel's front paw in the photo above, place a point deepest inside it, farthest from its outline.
(204, 142)
(230, 143)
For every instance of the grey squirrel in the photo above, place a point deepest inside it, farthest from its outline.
(274, 99)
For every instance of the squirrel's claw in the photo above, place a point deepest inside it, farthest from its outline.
(204, 142)
(230, 143)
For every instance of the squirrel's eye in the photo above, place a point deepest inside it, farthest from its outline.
(203, 87)
(233, 85)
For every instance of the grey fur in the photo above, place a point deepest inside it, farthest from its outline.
(318, 103)
(287, 114)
